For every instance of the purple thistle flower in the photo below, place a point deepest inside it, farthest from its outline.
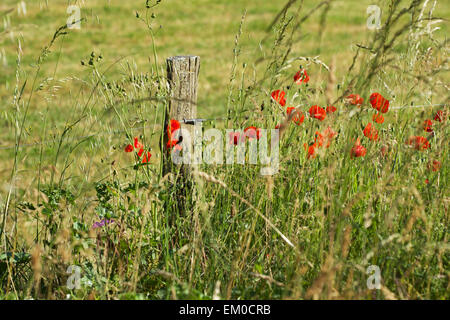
(102, 223)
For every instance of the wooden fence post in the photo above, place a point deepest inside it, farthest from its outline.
(182, 75)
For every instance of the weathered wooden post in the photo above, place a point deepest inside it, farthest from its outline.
(182, 75)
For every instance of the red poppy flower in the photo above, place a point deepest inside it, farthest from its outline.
(355, 99)
(173, 143)
(137, 144)
(419, 143)
(370, 132)
(298, 118)
(427, 181)
(324, 138)
(147, 157)
(129, 148)
(235, 138)
(434, 165)
(172, 127)
(318, 139)
(278, 96)
(379, 103)
(329, 134)
(440, 116)
(301, 76)
(331, 109)
(278, 126)
(311, 150)
(358, 150)
(427, 126)
(378, 118)
(252, 133)
(317, 112)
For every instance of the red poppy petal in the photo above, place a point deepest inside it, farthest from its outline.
(129, 148)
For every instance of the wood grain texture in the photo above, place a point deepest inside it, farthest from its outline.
(182, 76)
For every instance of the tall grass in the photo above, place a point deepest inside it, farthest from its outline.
(233, 238)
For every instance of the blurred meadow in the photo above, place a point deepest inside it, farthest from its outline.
(72, 99)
